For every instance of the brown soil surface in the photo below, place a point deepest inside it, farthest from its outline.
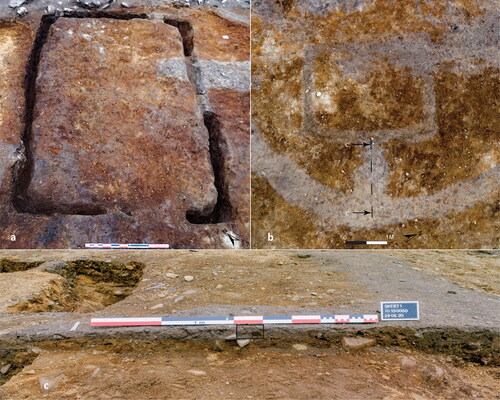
(115, 369)
(422, 94)
(386, 98)
(15, 42)
(139, 152)
(33, 291)
(467, 114)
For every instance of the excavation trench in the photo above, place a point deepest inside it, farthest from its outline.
(13, 358)
(24, 171)
(222, 210)
(14, 266)
(81, 286)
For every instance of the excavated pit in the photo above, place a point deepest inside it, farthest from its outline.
(7, 265)
(13, 359)
(126, 126)
(84, 286)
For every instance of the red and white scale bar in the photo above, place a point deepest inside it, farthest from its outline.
(237, 320)
(126, 246)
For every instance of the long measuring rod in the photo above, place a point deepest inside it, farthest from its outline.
(237, 320)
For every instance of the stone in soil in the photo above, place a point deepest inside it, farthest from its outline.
(5, 369)
(407, 362)
(243, 342)
(93, 4)
(197, 372)
(433, 374)
(22, 11)
(16, 3)
(218, 346)
(356, 343)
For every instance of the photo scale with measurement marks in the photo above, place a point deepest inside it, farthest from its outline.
(383, 129)
(203, 324)
(124, 125)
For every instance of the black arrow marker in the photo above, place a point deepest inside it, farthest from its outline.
(364, 144)
(231, 237)
(361, 212)
(411, 236)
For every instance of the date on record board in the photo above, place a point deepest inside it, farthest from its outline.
(399, 311)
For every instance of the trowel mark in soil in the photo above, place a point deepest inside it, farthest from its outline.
(88, 286)
(13, 360)
(14, 266)
(222, 210)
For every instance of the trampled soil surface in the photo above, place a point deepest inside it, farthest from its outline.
(383, 123)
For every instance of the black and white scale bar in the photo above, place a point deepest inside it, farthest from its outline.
(126, 246)
(366, 242)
